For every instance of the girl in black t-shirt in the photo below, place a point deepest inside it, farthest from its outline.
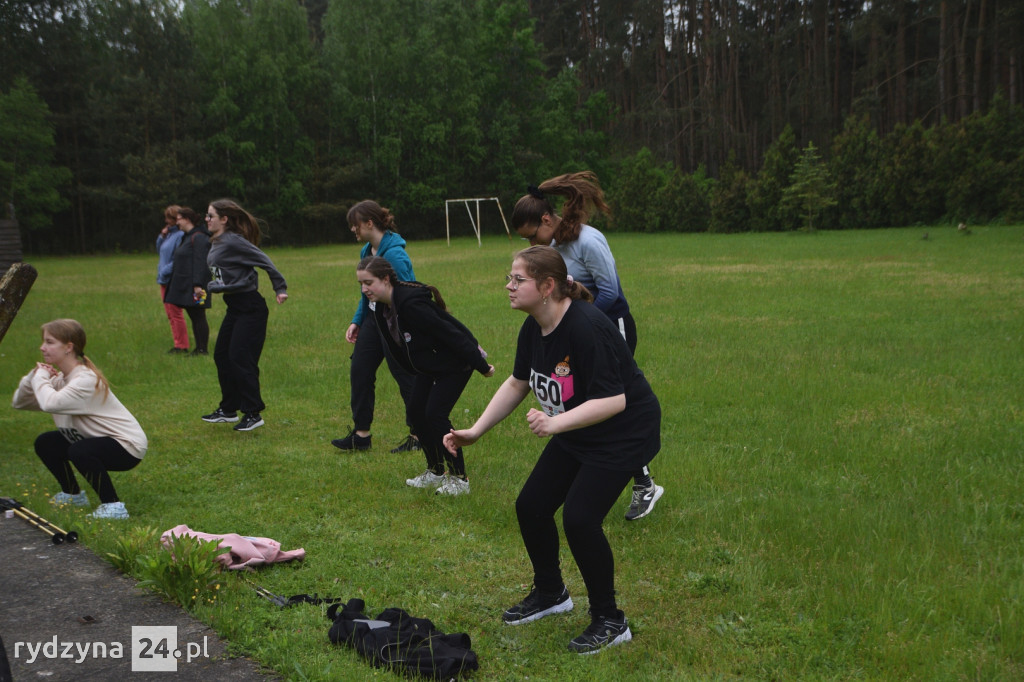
(604, 422)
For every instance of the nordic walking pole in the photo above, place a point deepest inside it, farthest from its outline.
(55, 537)
(29, 515)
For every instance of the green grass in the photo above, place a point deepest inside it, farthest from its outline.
(842, 446)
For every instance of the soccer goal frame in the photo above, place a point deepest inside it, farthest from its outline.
(476, 222)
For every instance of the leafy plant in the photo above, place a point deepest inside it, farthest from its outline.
(187, 572)
(129, 546)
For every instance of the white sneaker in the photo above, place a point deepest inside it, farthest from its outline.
(110, 510)
(428, 479)
(453, 485)
(79, 499)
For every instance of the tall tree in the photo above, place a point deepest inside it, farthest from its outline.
(30, 181)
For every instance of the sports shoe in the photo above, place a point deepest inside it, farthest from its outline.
(602, 633)
(428, 479)
(178, 351)
(453, 485)
(643, 501)
(407, 445)
(79, 499)
(199, 351)
(219, 416)
(110, 510)
(249, 422)
(353, 441)
(537, 605)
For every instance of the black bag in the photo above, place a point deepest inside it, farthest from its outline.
(396, 640)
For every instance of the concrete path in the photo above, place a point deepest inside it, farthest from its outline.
(66, 614)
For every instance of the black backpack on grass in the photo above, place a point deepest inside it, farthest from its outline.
(396, 640)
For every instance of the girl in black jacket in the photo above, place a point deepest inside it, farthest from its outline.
(423, 337)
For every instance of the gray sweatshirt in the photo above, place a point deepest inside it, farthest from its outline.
(233, 261)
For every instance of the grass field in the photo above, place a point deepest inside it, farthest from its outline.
(842, 450)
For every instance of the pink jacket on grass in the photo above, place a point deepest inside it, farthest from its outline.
(245, 551)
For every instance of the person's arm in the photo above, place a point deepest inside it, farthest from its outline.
(74, 398)
(446, 331)
(262, 260)
(505, 400)
(24, 396)
(591, 412)
(597, 259)
(200, 250)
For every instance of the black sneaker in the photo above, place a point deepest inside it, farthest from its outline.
(178, 351)
(199, 351)
(602, 633)
(537, 605)
(643, 500)
(407, 445)
(219, 416)
(249, 422)
(353, 441)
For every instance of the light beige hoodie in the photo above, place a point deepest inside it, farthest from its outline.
(80, 409)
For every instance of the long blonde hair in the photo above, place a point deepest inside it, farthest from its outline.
(70, 331)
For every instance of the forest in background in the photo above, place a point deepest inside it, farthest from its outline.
(721, 115)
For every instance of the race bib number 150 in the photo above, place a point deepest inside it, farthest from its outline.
(549, 393)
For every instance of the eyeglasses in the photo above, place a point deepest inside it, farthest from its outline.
(516, 281)
(532, 236)
(210, 217)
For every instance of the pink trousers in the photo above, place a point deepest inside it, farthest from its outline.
(176, 316)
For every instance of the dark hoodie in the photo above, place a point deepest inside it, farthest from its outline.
(429, 340)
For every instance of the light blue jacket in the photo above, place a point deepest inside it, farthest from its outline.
(165, 246)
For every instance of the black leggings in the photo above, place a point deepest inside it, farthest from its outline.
(627, 327)
(93, 457)
(237, 352)
(200, 327)
(586, 494)
(429, 411)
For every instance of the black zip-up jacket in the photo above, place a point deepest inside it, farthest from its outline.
(433, 341)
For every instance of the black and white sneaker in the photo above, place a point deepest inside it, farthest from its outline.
(249, 422)
(643, 501)
(219, 416)
(602, 633)
(537, 605)
(408, 445)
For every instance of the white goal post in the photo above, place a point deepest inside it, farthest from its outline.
(476, 222)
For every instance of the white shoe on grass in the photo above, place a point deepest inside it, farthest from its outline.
(110, 510)
(79, 499)
(428, 479)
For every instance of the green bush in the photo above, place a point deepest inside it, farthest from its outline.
(687, 202)
(186, 573)
(636, 196)
(768, 211)
(729, 207)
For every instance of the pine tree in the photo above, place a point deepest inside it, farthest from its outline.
(810, 189)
